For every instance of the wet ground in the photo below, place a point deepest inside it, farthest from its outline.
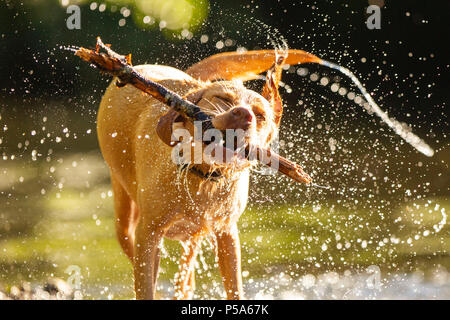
(54, 289)
(347, 286)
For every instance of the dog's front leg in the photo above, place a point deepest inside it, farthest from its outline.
(146, 259)
(229, 254)
(185, 282)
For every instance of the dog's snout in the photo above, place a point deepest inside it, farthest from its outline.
(243, 114)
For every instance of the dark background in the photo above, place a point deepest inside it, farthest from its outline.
(31, 32)
(404, 65)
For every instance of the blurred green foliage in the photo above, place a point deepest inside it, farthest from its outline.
(174, 14)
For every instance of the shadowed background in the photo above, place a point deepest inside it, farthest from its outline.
(386, 203)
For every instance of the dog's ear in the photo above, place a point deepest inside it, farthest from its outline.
(165, 126)
(166, 122)
(270, 90)
(246, 65)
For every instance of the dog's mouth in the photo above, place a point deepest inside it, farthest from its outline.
(229, 150)
(237, 129)
(225, 131)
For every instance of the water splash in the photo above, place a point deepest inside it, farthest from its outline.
(70, 48)
(319, 186)
(438, 227)
(395, 125)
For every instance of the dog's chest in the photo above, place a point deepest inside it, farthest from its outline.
(210, 209)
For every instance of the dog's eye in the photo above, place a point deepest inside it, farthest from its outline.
(259, 113)
(260, 116)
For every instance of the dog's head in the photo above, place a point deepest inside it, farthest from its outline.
(239, 116)
(237, 110)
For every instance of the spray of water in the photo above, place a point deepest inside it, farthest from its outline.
(395, 125)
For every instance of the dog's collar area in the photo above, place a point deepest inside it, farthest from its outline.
(214, 176)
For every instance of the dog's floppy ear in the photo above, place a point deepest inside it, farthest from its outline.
(270, 90)
(166, 123)
(165, 126)
(246, 65)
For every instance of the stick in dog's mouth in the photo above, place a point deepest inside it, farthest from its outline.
(120, 66)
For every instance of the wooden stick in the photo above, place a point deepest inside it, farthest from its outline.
(120, 67)
(283, 165)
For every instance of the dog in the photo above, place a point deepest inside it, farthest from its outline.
(135, 134)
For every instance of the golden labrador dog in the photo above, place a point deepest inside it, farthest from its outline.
(151, 201)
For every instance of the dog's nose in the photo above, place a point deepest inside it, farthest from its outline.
(243, 113)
